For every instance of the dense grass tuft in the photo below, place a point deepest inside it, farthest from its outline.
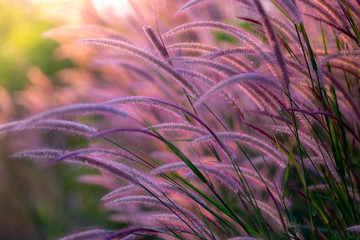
(274, 155)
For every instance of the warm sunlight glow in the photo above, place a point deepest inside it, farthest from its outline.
(118, 8)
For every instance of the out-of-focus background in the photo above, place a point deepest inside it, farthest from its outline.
(37, 201)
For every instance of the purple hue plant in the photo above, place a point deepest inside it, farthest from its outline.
(275, 156)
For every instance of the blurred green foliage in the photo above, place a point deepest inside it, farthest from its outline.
(22, 46)
(38, 202)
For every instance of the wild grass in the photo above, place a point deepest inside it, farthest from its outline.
(275, 156)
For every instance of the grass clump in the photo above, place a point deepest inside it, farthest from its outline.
(252, 138)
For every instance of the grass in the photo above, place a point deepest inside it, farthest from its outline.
(252, 133)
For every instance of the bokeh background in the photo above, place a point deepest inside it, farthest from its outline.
(37, 201)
